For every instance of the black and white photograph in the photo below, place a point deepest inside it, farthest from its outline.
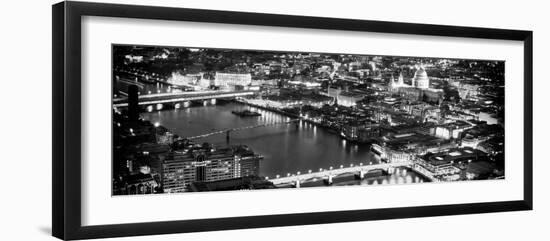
(194, 119)
(275, 120)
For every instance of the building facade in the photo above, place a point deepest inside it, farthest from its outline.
(232, 79)
(182, 169)
(420, 79)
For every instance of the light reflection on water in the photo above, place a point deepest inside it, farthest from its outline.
(287, 148)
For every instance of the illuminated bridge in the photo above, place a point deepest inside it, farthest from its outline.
(327, 175)
(164, 98)
(228, 131)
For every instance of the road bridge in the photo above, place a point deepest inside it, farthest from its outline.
(162, 98)
(327, 175)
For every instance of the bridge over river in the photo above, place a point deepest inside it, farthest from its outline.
(228, 131)
(163, 98)
(327, 175)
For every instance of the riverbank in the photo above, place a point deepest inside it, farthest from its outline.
(286, 149)
(288, 114)
(331, 128)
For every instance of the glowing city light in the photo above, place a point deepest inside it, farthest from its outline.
(360, 104)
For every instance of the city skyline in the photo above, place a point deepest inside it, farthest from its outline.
(204, 119)
(202, 48)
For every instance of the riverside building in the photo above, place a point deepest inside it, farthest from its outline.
(203, 165)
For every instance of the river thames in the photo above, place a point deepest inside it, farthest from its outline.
(286, 148)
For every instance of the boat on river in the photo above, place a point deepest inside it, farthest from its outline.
(246, 113)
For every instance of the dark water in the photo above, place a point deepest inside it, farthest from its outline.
(287, 148)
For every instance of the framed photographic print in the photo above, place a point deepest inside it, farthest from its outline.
(169, 120)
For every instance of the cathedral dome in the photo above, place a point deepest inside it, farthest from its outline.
(421, 79)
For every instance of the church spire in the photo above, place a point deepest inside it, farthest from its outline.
(400, 81)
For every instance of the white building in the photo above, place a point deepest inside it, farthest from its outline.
(348, 99)
(195, 81)
(231, 79)
(420, 79)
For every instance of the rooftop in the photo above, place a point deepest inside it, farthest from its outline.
(456, 154)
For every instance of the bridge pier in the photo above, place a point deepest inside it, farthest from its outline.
(390, 170)
(361, 175)
(159, 106)
(213, 101)
(328, 180)
(297, 183)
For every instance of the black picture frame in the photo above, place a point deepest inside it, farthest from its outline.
(66, 127)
